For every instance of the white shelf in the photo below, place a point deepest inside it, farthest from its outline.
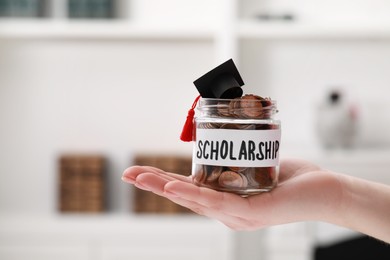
(108, 223)
(250, 29)
(84, 29)
(246, 29)
(114, 237)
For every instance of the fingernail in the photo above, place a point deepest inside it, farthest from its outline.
(128, 180)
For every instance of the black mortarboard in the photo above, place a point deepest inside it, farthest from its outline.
(222, 82)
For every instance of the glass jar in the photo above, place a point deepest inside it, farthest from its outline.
(236, 145)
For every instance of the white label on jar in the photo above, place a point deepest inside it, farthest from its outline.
(240, 148)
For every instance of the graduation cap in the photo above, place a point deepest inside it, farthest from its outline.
(222, 82)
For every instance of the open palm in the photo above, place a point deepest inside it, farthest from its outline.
(304, 192)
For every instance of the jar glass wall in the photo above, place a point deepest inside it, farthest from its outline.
(236, 145)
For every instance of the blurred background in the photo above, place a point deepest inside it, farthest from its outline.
(89, 87)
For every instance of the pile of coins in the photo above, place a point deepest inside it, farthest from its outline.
(240, 180)
(236, 179)
(248, 106)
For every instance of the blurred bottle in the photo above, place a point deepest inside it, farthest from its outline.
(336, 124)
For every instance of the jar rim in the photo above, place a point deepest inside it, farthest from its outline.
(230, 99)
(215, 102)
(229, 108)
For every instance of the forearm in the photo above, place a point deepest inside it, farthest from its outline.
(365, 207)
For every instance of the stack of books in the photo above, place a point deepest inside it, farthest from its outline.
(22, 8)
(91, 8)
(82, 183)
(147, 202)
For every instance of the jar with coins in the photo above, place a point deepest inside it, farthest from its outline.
(237, 143)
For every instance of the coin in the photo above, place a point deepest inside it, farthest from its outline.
(231, 179)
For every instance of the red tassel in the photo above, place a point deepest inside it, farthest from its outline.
(187, 132)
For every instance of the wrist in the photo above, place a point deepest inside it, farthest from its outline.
(334, 207)
(329, 202)
(364, 207)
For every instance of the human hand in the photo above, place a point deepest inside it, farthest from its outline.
(304, 192)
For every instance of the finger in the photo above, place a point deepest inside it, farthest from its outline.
(228, 203)
(151, 182)
(170, 174)
(131, 173)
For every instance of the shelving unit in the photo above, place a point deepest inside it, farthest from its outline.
(226, 28)
(222, 24)
(228, 32)
(110, 30)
